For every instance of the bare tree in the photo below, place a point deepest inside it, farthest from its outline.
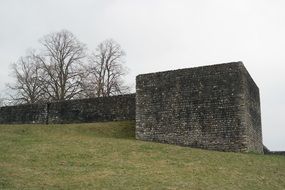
(62, 56)
(4, 101)
(28, 85)
(106, 71)
(58, 72)
(1, 101)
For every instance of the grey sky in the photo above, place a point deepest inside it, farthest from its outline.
(165, 34)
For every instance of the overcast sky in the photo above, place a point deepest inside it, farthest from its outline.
(162, 35)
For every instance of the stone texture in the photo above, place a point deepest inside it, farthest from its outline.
(252, 113)
(281, 153)
(112, 108)
(23, 114)
(73, 111)
(213, 107)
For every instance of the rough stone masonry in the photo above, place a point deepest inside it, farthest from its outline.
(113, 108)
(213, 107)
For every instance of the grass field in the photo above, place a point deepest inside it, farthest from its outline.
(106, 156)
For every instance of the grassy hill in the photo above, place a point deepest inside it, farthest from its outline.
(106, 156)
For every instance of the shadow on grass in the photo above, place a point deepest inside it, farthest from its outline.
(119, 130)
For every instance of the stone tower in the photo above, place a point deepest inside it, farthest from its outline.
(212, 107)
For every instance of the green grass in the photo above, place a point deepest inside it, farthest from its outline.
(106, 156)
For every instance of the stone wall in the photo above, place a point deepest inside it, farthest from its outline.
(252, 113)
(213, 107)
(281, 153)
(73, 111)
(112, 108)
(23, 114)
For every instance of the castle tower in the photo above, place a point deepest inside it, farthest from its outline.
(212, 107)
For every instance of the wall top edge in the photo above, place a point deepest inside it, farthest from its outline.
(214, 66)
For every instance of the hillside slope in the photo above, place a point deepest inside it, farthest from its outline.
(106, 156)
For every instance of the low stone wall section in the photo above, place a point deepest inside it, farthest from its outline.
(114, 108)
(23, 114)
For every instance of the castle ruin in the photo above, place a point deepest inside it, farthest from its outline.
(213, 107)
